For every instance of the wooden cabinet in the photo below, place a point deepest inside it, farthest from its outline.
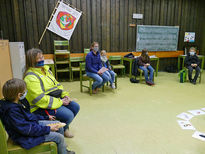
(5, 64)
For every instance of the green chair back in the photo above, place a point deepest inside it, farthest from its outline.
(3, 140)
(82, 68)
(86, 50)
(119, 65)
(115, 58)
(61, 44)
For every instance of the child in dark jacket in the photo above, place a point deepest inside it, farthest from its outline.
(192, 62)
(144, 64)
(24, 128)
(106, 64)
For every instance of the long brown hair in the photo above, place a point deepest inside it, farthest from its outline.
(31, 55)
(144, 56)
(92, 45)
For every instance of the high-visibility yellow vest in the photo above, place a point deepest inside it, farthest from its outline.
(39, 85)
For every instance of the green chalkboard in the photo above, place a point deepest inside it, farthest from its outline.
(157, 38)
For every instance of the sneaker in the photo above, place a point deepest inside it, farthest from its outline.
(149, 83)
(68, 134)
(152, 83)
(95, 91)
(70, 152)
(133, 80)
(112, 86)
(193, 82)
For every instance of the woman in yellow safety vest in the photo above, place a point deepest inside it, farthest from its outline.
(45, 94)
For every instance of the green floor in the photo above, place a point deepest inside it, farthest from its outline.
(137, 119)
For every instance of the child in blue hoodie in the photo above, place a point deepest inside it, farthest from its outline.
(24, 128)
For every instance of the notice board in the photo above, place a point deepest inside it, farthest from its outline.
(157, 38)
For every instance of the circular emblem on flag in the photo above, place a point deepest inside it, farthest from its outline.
(65, 20)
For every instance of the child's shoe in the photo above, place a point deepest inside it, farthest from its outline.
(112, 86)
(193, 82)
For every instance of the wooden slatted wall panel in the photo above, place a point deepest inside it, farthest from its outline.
(105, 21)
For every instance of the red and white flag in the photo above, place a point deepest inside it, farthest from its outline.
(64, 21)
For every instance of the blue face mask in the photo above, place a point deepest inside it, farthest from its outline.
(40, 63)
(24, 95)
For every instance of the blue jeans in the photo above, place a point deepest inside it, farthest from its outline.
(112, 74)
(100, 80)
(67, 113)
(57, 137)
(151, 72)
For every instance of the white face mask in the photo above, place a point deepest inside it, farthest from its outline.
(191, 53)
(96, 48)
(24, 95)
(104, 58)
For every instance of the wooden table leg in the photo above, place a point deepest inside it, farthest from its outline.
(157, 67)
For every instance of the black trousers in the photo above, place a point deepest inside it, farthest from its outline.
(190, 70)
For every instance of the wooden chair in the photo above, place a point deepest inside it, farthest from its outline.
(117, 66)
(74, 68)
(61, 56)
(86, 51)
(84, 77)
(199, 77)
(141, 75)
(201, 58)
(8, 147)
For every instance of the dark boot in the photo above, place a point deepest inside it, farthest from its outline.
(70, 152)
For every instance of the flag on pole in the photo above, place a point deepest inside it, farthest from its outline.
(64, 21)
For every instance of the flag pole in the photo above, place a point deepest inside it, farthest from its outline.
(48, 22)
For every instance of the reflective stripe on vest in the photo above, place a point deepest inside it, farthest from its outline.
(41, 82)
(50, 102)
(43, 89)
(38, 98)
(51, 89)
(32, 106)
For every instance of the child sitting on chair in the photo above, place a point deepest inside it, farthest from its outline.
(192, 62)
(24, 128)
(106, 64)
(144, 64)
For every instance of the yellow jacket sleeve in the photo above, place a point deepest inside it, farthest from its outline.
(37, 97)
